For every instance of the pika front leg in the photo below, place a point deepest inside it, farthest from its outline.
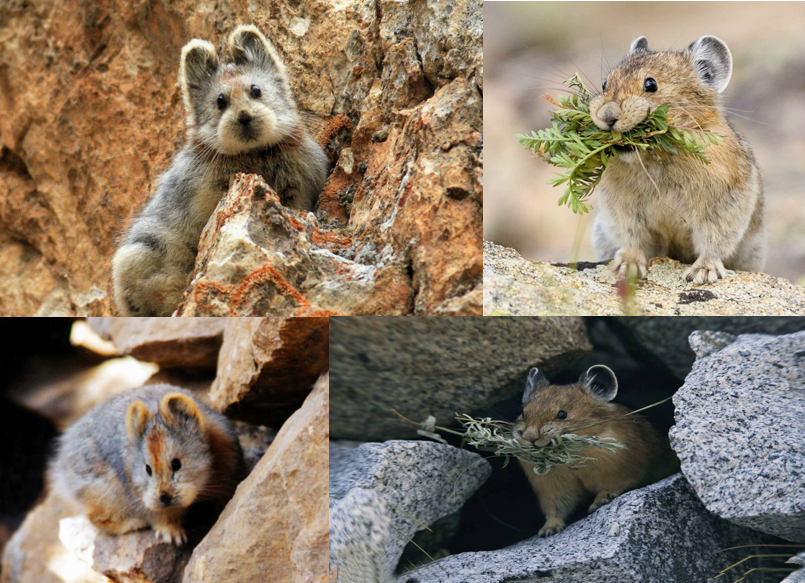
(602, 498)
(170, 532)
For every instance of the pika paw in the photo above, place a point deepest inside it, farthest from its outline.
(143, 457)
(241, 117)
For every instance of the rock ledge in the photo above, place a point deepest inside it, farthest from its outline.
(514, 286)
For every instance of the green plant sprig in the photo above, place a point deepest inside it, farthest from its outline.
(575, 143)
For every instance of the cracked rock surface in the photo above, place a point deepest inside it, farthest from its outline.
(515, 286)
(740, 434)
(383, 493)
(628, 540)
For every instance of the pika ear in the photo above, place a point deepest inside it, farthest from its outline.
(248, 45)
(536, 380)
(199, 63)
(713, 61)
(136, 419)
(179, 409)
(639, 44)
(600, 382)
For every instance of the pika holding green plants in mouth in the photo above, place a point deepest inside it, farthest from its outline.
(672, 177)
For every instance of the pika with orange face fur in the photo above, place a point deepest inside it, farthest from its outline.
(584, 408)
(143, 457)
(657, 203)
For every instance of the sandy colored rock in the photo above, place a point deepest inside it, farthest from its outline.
(268, 365)
(92, 115)
(514, 286)
(36, 555)
(259, 257)
(135, 557)
(275, 529)
(190, 344)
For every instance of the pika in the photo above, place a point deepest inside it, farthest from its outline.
(551, 410)
(241, 117)
(652, 204)
(143, 457)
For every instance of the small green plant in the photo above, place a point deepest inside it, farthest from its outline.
(795, 576)
(576, 144)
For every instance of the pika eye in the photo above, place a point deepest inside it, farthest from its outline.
(649, 85)
(604, 85)
(256, 91)
(221, 102)
(147, 469)
(561, 415)
(176, 465)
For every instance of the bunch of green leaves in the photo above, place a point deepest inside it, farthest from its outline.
(576, 144)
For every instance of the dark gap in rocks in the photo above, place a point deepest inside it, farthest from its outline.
(10, 161)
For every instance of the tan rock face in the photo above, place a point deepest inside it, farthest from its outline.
(36, 555)
(135, 557)
(190, 344)
(252, 538)
(92, 116)
(267, 366)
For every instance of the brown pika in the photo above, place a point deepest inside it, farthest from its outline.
(657, 203)
(143, 457)
(552, 410)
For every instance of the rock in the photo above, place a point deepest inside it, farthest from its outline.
(65, 399)
(740, 436)
(36, 555)
(259, 257)
(658, 534)
(136, 557)
(189, 344)
(268, 365)
(274, 530)
(437, 366)
(382, 493)
(92, 115)
(254, 441)
(514, 286)
(665, 341)
(797, 576)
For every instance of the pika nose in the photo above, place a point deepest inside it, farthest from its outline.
(165, 498)
(244, 118)
(609, 113)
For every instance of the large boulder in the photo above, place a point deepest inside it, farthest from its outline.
(92, 114)
(267, 367)
(658, 534)
(259, 257)
(190, 344)
(664, 341)
(514, 286)
(36, 555)
(437, 366)
(274, 530)
(740, 434)
(381, 494)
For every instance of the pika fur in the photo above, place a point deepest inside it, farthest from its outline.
(551, 410)
(143, 457)
(241, 117)
(651, 204)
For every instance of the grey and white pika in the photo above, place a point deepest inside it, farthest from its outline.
(143, 457)
(241, 117)
(651, 204)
